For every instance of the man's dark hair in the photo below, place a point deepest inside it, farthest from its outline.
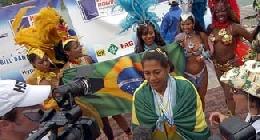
(10, 116)
(174, 3)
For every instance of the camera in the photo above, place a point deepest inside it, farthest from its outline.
(233, 128)
(68, 123)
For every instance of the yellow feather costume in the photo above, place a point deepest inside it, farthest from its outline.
(47, 31)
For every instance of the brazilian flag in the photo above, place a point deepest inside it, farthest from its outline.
(115, 81)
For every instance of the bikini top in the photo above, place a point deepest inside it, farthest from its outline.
(188, 51)
(223, 35)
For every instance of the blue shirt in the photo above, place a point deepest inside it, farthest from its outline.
(170, 24)
(199, 1)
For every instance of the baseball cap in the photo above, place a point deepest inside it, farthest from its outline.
(19, 94)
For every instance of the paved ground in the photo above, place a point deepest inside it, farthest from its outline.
(214, 102)
(215, 96)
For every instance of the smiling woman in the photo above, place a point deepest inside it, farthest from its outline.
(148, 37)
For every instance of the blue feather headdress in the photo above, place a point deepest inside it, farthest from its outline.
(138, 13)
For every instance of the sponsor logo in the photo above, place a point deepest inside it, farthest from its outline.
(113, 49)
(100, 52)
(105, 3)
(127, 44)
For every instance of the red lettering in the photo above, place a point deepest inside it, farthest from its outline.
(131, 43)
(127, 44)
(122, 46)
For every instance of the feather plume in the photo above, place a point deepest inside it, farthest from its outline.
(138, 12)
(44, 34)
(18, 18)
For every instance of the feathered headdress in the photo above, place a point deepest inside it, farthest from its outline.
(235, 11)
(46, 32)
(186, 5)
(138, 13)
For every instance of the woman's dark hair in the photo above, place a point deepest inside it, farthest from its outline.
(231, 14)
(60, 51)
(159, 55)
(197, 27)
(142, 28)
(10, 116)
(31, 57)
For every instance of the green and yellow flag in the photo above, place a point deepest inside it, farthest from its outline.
(118, 79)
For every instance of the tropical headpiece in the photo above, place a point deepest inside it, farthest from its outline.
(235, 11)
(186, 15)
(45, 33)
(185, 5)
(138, 13)
(69, 39)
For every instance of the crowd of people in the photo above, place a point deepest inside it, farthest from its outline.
(168, 106)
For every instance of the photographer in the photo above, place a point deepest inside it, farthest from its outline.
(246, 78)
(17, 99)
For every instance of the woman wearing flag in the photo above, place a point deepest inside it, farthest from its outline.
(195, 44)
(169, 105)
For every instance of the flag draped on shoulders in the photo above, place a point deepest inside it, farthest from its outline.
(115, 81)
(188, 115)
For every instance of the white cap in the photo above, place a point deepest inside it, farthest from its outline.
(19, 94)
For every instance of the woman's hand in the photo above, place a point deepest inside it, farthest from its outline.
(217, 118)
(200, 58)
(180, 38)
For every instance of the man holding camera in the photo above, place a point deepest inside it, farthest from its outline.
(17, 101)
(246, 79)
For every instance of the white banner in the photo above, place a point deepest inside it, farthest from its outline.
(96, 24)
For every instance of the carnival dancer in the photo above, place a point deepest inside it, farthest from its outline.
(246, 79)
(145, 23)
(170, 22)
(169, 105)
(195, 46)
(148, 37)
(73, 54)
(224, 41)
(40, 40)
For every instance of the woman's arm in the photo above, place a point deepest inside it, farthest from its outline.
(204, 38)
(239, 30)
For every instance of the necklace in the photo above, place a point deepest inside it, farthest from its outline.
(189, 37)
(219, 25)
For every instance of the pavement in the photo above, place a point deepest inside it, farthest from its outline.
(214, 100)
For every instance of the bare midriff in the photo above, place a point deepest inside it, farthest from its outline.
(223, 53)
